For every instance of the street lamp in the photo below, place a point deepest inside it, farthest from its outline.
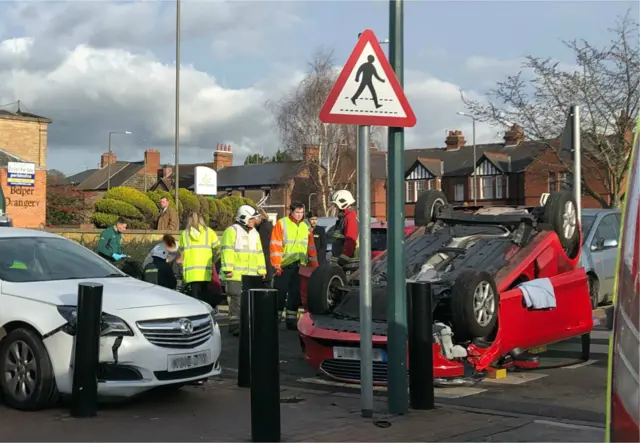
(109, 164)
(475, 179)
(177, 105)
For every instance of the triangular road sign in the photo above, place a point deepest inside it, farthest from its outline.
(367, 91)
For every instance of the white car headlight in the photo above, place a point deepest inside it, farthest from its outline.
(111, 326)
(212, 311)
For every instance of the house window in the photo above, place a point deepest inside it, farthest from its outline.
(499, 187)
(553, 182)
(486, 188)
(420, 186)
(410, 191)
(458, 192)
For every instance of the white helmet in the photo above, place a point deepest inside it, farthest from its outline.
(342, 199)
(246, 213)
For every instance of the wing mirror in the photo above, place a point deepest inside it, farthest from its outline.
(610, 243)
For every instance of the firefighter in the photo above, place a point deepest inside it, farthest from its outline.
(345, 243)
(291, 245)
(199, 249)
(241, 255)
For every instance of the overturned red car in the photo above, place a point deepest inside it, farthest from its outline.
(504, 279)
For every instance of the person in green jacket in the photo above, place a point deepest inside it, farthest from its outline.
(109, 246)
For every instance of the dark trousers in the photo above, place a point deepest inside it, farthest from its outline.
(166, 276)
(200, 290)
(288, 286)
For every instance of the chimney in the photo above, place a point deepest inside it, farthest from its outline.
(165, 172)
(152, 161)
(222, 157)
(455, 140)
(106, 158)
(311, 154)
(514, 136)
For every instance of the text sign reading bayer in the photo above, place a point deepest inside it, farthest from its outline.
(367, 91)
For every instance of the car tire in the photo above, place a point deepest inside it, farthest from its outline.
(43, 392)
(428, 206)
(320, 297)
(472, 316)
(594, 291)
(560, 211)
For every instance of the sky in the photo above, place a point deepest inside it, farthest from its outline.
(102, 66)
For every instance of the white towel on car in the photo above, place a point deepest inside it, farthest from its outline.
(538, 294)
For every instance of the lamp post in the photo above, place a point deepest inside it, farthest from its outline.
(109, 164)
(475, 159)
(177, 123)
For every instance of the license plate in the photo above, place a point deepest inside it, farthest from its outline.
(181, 362)
(345, 353)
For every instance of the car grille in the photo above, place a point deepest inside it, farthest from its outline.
(172, 333)
(349, 370)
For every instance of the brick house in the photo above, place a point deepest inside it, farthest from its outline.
(514, 172)
(23, 139)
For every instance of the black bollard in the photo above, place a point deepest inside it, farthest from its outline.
(244, 347)
(420, 322)
(265, 366)
(84, 397)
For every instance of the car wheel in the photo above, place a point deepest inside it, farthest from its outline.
(428, 206)
(594, 291)
(474, 305)
(321, 294)
(561, 212)
(27, 381)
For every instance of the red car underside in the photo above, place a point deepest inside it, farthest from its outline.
(518, 327)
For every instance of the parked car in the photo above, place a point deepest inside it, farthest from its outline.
(601, 233)
(476, 260)
(151, 336)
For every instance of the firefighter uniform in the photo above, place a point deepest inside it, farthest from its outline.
(291, 245)
(346, 244)
(200, 249)
(241, 255)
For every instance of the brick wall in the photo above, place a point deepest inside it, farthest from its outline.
(26, 139)
(26, 206)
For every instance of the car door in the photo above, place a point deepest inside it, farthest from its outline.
(604, 249)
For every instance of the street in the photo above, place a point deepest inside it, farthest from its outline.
(564, 404)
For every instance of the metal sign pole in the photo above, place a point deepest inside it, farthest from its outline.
(577, 160)
(366, 334)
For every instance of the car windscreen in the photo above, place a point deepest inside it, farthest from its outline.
(378, 239)
(36, 259)
(587, 223)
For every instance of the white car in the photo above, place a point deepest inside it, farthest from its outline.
(151, 336)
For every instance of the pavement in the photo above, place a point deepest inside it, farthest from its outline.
(562, 404)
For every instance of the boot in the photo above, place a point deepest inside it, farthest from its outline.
(292, 320)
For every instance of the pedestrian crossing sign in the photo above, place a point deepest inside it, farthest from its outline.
(367, 92)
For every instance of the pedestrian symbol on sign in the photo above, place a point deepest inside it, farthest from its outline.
(367, 71)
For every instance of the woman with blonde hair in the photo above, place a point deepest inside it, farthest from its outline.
(199, 248)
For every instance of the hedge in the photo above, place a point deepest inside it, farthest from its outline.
(119, 208)
(158, 194)
(220, 214)
(204, 207)
(102, 220)
(136, 198)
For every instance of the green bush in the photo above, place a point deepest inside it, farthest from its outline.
(119, 208)
(102, 220)
(220, 215)
(235, 201)
(138, 199)
(204, 207)
(189, 200)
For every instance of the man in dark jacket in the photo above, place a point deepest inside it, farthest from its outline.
(264, 228)
(319, 237)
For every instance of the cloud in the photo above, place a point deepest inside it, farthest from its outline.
(94, 91)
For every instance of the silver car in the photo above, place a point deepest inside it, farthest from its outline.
(601, 233)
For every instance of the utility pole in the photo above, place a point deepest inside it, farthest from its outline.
(177, 129)
(398, 399)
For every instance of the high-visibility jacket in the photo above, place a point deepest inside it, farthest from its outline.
(199, 247)
(241, 253)
(292, 242)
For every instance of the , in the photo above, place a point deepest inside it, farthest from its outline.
(497, 274)
(151, 336)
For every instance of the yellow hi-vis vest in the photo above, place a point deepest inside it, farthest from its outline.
(241, 253)
(296, 242)
(198, 254)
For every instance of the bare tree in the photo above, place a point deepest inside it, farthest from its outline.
(296, 118)
(605, 84)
